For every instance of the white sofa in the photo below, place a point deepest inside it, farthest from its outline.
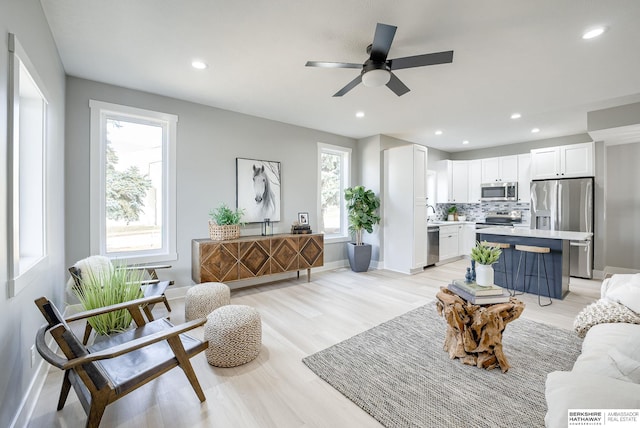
(606, 375)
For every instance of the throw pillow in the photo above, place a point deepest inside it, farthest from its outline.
(624, 289)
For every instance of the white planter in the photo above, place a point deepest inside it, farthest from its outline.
(484, 275)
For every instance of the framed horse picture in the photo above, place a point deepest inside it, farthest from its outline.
(258, 189)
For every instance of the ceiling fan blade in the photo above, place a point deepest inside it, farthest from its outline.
(397, 86)
(325, 64)
(382, 42)
(422, 60)
(355, 82)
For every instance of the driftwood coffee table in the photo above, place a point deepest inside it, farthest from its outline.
(474, 333)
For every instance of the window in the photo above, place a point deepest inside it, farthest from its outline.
(27, 121)
(334, 170)
(132, 183)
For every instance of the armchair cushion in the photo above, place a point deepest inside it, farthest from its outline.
(129, 369)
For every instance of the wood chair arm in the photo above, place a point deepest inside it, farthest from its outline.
(145, 267)
(45, 352)
(135, 344)
(130, 305)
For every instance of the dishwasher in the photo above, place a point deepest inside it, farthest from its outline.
(433, 245)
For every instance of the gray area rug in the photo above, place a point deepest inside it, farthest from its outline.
(398, 373)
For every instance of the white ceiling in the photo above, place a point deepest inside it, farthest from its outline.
(510, 55)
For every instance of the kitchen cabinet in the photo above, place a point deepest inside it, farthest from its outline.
(405, 208)
(449, 242)
(456, 240)
(574, 160)
(453, 182)
(524, 178)
(503, 168)
(466, 239)
(475, 181)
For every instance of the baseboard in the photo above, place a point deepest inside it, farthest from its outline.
(612, 270)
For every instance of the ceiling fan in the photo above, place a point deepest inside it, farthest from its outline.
(377, 70)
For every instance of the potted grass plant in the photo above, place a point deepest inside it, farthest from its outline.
(109, 287)
(224, 223)
(485, 255)
(362, 207)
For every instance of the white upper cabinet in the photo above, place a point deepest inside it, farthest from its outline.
(475, 181)
(503, 168)
(453, 181)
(575, 160)
(524, 177)
(460, 181)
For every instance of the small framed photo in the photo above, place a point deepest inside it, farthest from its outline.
(303, 218)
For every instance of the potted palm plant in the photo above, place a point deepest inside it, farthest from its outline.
(362, 207)
(485, 255)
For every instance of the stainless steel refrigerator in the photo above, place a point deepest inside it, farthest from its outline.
(566, 204)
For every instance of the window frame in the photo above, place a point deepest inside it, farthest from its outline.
(100, 112)
(345, 154)
(19, 277)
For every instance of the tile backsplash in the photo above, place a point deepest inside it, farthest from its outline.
(477, 212)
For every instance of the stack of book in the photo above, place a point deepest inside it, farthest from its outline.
(301, 229)
(477, 294)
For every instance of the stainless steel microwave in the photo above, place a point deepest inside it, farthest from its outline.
(499, 192)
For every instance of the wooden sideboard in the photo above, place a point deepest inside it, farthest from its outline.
(255, 256)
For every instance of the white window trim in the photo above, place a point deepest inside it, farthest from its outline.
(97, 200)
(346, 182)
(17, 280)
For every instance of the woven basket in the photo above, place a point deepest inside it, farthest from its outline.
(223, 233)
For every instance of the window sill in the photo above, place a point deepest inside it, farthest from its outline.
(141, 259)
(336, 239)
(32, 274)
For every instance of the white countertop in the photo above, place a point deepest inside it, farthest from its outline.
(536, 233)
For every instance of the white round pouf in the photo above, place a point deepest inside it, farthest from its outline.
(202, 299)
(234, 333)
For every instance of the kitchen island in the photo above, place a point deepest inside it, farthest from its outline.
(557, 261)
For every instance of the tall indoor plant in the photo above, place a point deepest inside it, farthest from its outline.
(485, 255)
(362, 207)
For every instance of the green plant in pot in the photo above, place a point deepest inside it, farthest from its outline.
(225, 223)
(485, 255)
(362, 209)
(453, 213)
(109, 287)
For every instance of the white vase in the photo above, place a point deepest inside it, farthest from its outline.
(484, 275)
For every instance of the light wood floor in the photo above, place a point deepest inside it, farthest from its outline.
(276, 389)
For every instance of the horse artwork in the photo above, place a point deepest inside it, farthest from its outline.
(258, 189)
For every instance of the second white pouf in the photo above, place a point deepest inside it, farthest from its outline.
(202, 299)
(234, 333)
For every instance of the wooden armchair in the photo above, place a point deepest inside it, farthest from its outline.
(110, 369)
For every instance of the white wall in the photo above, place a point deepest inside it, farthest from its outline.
(19, 317)
(209, 140)
(622, 222)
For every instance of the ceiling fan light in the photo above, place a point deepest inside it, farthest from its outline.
(375, 78)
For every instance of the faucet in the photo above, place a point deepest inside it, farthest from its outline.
(430, 206)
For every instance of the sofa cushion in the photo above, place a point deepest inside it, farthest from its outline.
(572, 390)
(597, 345)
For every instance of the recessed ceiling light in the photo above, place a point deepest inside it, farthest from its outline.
(199, 65)
(360, 114)
(595, 32)
(516, 116)
(465, 142)
(438, 132)
(535, 130)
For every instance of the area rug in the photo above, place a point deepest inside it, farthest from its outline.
(398, 373)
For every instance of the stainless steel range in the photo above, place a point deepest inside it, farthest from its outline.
(500, 218)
